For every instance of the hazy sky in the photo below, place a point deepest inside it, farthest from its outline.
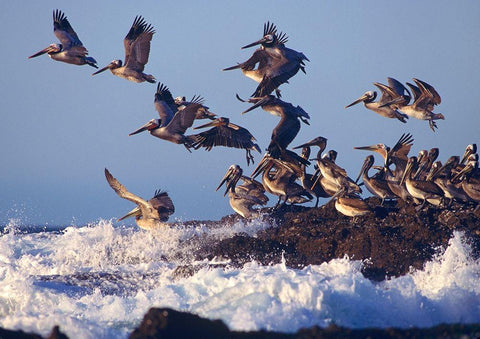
(61, 127)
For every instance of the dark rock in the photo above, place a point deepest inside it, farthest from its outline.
(11, 334)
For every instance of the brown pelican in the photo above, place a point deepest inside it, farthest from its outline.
(70, 49)
(350, 204)
(286, 129)
(224, 133)
(469, 150)
(171, 127)
(276, 63)
(425, 161)
(470, 178)
(376, 184)
(420, 189)
(137, 50)
(388, 94)
(442, 177)
(424, 99)
(244, 197)
(181, 102)
(149, 214)
(398, 155)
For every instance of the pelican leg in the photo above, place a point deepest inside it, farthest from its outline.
(187, 147)
(316, 202)
(277, 93)
(249, 157)
(432, 125)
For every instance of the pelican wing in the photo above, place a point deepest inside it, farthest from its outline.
(137, 44)
(163, 204)
(123, 193)
(426, 88)
(183, 119)
(416, 92)
(402, 147)
(388, 94)
(398, 87)
(164, 104)
(64, 31)
(228, 136)
(259, 57)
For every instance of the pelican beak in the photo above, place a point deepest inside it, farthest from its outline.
(259, 103)
(367, 148)
(43, 51)
(208, 124)
(361, 99)
(133, 213)
(407, 171)
(261, 41)
(102, 69)
(224, 179)
(148, 126)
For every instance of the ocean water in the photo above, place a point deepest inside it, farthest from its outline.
(98, 280)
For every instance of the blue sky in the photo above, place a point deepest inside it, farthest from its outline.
(61, 127)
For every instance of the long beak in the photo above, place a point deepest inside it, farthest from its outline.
(224, 179)
(465, 170)
(262, 40)
(208, 124)
(362, 170)
(133, 213)
(467, 153)
(143, 128)
(102, 69)
(259, 103)
(406, 172)
(367, 148)
(232, 67)
(262, 165)
(43, 51)
(363, 97)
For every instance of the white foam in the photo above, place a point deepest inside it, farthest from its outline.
(99, 281)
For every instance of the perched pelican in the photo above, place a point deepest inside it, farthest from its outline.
(148, 215)
(70, 49)
(421, 189)
(350, 204)
(286, 129)
(137, 50)
(224, 133)
(469, 150)
(470, 178)
(424, 99)
(171, 127)
(398, 155)
(376, 184)
(276, 63)
(442, 177)
(244, 197)
(388, 94)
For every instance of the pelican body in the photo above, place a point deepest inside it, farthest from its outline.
(224, 133)
(470, 175)
(137, 50)
(150, 214)
(351, 206)
(376, 184)
(242, 198)
(70, 50)
(276, 63)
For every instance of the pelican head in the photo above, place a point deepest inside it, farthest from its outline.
(234, 173)
(51, 49)
(411, 166)
(151, 125)
(114, 64)
(269, 36)
(133, 213)
(471, 149)
(368, 96)
(381, 149)
(367, 164)
(318, 141)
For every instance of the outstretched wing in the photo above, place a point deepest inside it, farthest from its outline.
(137, 44)
(183, 119)
(123, 193)
(164, 104)
(65, 33)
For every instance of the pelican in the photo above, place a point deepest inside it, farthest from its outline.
(350, 204)
(171, 126)
(224, 133)
(376, 184)
(286, 129)
(70, 49)
(398, 155)
(244, 197)
(470, 176)
(420, 189)
(149, 214)
(469, 150)
(442, 177)
(137, 50)
(425, 97)
(181, 102)
(276, 63)
(387, 95)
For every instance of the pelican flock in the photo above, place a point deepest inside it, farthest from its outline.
(421, 180)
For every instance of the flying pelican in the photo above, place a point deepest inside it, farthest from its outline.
(425, 97)
(181, 102)
(388, 94)
(276, 63)
(376, 184)
(224, 133)
(137, 50)
(70, 49)
(286, 129)
(149, 214)
(420, 189)
(244, 197)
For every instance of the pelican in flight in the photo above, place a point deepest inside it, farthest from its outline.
(224, 133)
(70, 49)
(172, 125)
(286, 129)
(149, 214)
(425, 97)
(243, 197)
(276, 63)
(137, 50)
(387, 95)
